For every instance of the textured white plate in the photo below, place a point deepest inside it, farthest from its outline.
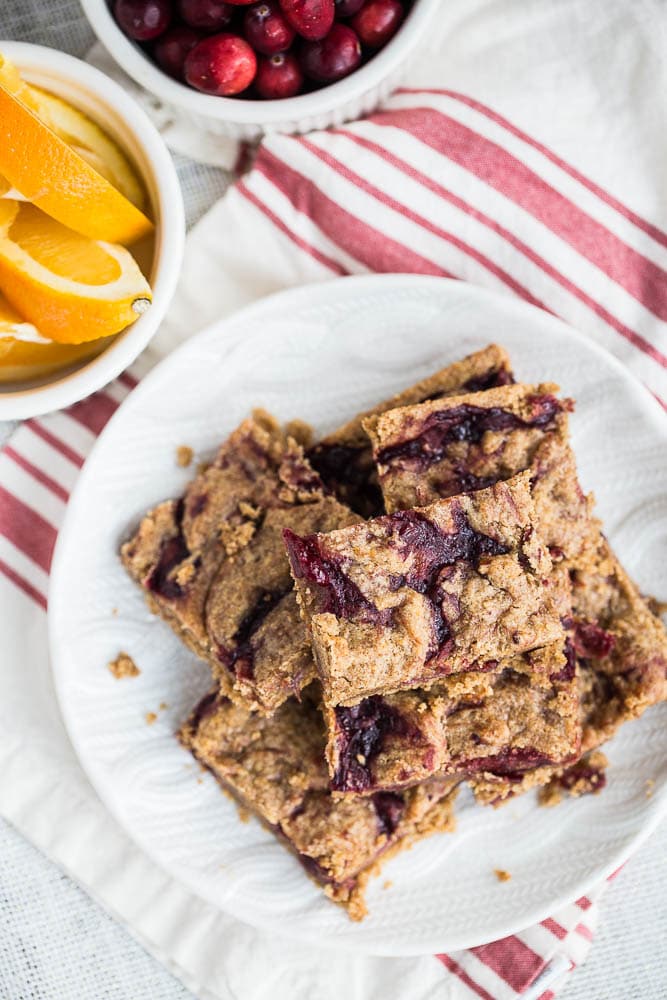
(322, 353)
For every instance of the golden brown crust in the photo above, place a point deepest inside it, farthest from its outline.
(275, 767)
(563, 512)
(621, 648)
(524, 713)
(213, 563)
(459, 613)
(344, 458)
(436, 462)
(632, 675)
(451, 379)
(586, 777)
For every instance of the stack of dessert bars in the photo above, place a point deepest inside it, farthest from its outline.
(420, 599)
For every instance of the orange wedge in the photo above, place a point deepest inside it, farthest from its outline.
(78, 131)
(73, 289)
(11, 80)
(26, 354)
(91, 143)
(54, 176)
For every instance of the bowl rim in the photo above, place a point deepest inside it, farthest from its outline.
(169, 245)
(265, 114)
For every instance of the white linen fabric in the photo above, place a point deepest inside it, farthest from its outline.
(580, 83)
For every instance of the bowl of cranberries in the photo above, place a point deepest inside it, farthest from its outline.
(244, 67)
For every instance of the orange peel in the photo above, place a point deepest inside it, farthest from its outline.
(26, 354)
(71, 288)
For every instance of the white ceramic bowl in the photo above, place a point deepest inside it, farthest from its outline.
(119, 115)
(352, 97)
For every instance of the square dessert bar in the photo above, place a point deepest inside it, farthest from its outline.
(621, 652)
(618, 640)
(466, 443)
(521, 715)
(344, 458)
(400, 601)
(275, 767)
(213, 563)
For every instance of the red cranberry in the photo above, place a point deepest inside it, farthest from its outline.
(267, 30)
(361, 731)
(333, 57)
(592, 641)
(239, 657)
(336, 592)
(389, 808)
(342, 468)
(172, 553)
(377, 21)
(172, 48)
(348, 8)
(464, 423)
(223, 65)
(208, 15)
(490, 379)
(143, 19)
(278, 76)
(311, 18)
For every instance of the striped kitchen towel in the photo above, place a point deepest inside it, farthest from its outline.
(437, 183)
(530, 161)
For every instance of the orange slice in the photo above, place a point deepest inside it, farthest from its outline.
(53, 176)
(90, 142)
(73, 289)
(78, 131)
(26, 354)
(11, 80)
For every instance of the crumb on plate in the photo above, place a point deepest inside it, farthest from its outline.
(123, 666)
(502, 875)
(184, 455)
(151, 717)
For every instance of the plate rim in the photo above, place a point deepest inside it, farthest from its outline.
(106, 792)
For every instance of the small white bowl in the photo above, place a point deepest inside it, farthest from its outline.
(354, 96)
(120, 116)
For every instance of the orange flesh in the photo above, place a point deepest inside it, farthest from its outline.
(61, 250)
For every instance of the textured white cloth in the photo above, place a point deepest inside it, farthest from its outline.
(517, 50)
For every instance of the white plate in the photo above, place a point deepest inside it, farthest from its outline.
(322, 353)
